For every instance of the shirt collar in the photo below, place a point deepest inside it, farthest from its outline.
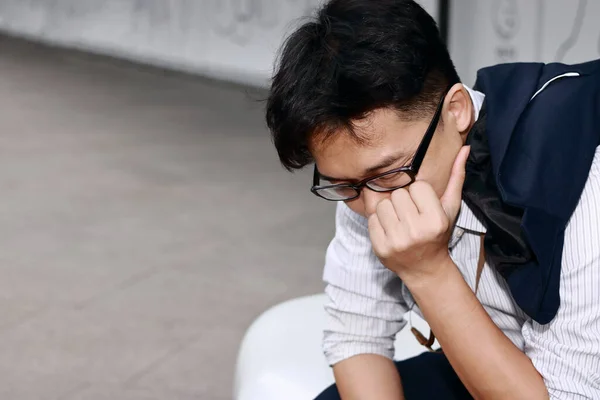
(477, 99)
(467, 220)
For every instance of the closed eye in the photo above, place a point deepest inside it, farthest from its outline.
(388, 177)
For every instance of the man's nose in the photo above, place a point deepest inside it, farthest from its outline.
(371, 199)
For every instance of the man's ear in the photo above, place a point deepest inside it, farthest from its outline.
(459, 107)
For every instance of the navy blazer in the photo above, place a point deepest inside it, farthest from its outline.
(543, 127)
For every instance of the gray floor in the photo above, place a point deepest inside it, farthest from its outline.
(144, 223)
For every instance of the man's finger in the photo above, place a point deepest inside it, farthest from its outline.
(376, 233)
(452, 197)
(424, 197)
(387, 216)
(404, 205)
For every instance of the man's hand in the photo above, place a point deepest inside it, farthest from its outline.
(410, 234)
(410, 231)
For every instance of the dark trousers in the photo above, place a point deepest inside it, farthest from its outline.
(427, 376)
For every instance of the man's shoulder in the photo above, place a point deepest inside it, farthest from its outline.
(524, 79)
(588, 67)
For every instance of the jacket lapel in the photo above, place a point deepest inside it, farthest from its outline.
(508, 89)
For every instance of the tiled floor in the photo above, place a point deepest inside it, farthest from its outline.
(144, 223)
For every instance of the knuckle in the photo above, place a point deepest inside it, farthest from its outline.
(417, 235)
(443, 221)
(420, 237)
(397, 244)
(429, 228)
(440, 225)
(383, 252)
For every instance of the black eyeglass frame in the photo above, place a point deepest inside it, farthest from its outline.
(410, 170)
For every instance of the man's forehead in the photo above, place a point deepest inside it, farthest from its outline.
(369, 140)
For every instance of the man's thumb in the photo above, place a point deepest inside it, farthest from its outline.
(452, 197)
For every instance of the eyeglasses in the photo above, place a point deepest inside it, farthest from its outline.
(386, 182)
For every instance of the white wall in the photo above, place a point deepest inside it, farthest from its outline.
(230, 39)
(237, 39)
(487, 32)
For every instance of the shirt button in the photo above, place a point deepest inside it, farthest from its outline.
(456, 236)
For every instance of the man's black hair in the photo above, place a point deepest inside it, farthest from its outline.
(353, 57)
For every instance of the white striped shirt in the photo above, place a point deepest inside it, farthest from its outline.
(366, 301)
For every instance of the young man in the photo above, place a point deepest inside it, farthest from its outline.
(504, 264)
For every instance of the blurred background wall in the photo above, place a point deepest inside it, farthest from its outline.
(236, 39)
(225, 39)
(485, 32)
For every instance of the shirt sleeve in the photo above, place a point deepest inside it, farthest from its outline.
(566, 351)
(364, 305)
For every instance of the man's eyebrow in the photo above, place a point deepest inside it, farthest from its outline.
(386, 162)
(332, 179)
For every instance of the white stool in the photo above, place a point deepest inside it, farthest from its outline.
(281, 357)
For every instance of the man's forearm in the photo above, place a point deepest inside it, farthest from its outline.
(488, 363)
(368, 376)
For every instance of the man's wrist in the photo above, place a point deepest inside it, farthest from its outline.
(445, 298)
(431, 277)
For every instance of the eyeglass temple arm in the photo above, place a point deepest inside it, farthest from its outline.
(420, 154)
(315, 176)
